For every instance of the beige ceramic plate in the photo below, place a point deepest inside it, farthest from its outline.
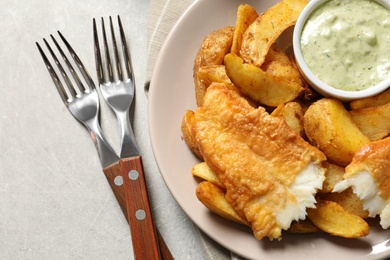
(171, 93)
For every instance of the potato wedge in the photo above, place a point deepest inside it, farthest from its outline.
(333, 219)
(186, 125)
(333, 175)
(246, 15)
(275, 54)
(214, 73)
(349, 201)
(284, 71)
(264, 31)
(212, 51)
(303, 227)
(259, 85)
(203, 171)
(217, 73)
(214, 199)
(278, 64)
(377, 100)
(292, 113)
(374, 122)
(330, 128)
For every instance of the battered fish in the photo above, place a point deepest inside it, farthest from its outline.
(270, 173)
(369, 176)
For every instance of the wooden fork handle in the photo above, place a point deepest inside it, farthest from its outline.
(127, 181)
(142, 228)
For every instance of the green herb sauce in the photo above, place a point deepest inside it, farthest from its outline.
(346, 43)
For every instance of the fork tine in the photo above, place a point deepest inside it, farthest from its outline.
(77, 60)
(105, 73)
(98, 56)
(126, 53)
(54, 76)
(107, 52)
(118, 63)
(71, 69)
(63, 73)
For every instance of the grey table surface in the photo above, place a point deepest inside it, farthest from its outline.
(55, 202)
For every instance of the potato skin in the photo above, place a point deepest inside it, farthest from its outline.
(260, 85)
(264, 31)
(348, 200)
(213, 198)
(329, 127)
(212, 51)
(378, 100)
(246, 15)
(333, 175)
(292, 113)
(333, 219)
(374, 122)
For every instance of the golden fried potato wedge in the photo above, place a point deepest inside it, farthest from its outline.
(212, 51)
(214, 73)
(292, 113)
(264, 31)
(214, 199)
(203, 171)
(246, 15)
(330, 128)
(214, 47)
(278, 64)
(303, 227)
(333, 175)
(275, 54)
(374, 122)
(186, 125)
(208, 74)
(377, 100)
(259, 85)
(217, 73)
(349, 201)
(285, 71)
(333, 219)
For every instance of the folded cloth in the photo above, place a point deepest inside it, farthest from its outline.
(163, 14)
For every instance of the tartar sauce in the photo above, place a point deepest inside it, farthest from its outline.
(346, 43)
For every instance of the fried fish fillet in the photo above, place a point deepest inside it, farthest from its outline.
(269, 171)
(369, 176)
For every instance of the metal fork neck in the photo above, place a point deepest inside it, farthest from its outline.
(128, 142)
(106, 153)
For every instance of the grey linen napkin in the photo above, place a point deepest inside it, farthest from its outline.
(163, 14)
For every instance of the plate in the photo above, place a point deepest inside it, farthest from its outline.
(171, 94)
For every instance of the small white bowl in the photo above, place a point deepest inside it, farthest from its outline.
(320, 86)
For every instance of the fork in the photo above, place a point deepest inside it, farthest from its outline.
(117, 87)
(83, 104)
